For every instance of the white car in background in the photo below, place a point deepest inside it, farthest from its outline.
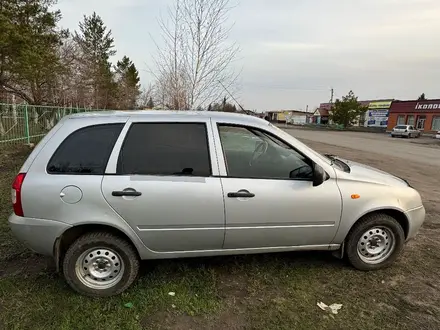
(407, 131)
(437, 136)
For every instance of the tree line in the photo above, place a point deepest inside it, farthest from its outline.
(43, 64)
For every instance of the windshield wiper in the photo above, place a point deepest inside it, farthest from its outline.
(331, 157)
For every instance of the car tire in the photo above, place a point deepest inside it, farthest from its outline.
(374, 231)
(393, 136)
(100, 264)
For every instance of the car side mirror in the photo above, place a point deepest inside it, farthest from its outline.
(319, 175)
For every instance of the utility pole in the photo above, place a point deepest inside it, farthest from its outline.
(331, 95)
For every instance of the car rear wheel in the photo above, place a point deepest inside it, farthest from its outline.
(375, 242)
(100, 264)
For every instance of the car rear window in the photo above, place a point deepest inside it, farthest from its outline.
(401, 127)
(165, 149)
(85, 151)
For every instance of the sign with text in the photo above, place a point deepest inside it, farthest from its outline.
(425, 106)
(380, 105)
(377, 118)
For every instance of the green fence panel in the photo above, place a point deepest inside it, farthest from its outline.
(26, 124)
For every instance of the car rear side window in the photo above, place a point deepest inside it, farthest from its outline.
(165, 149)
(85, 151)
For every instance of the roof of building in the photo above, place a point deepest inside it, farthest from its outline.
(415, 106)
(419, 101)
(329, 105)
(296, 111)
(321, 112)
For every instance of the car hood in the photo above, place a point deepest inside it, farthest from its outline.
(365, 173)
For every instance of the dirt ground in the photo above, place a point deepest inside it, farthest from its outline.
(271, 291)
(417, 150)
(417, 289)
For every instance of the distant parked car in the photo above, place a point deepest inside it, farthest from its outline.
(437, 136)
(104, 190)
(407, 131)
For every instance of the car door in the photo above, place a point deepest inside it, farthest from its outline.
(160, 179)
(270, 200)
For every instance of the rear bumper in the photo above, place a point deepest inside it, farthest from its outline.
(400, 133)
(416, 218)
(37, 234)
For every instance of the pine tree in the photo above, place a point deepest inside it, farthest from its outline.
(150, 103)
(96, 44)
(29, 40)
(128, 83)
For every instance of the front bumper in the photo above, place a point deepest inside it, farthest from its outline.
(37, 234)
(416, 218)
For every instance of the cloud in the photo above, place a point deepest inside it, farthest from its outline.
(293, 52)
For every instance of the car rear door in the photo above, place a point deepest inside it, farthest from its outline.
(266, 205)
(160, 179)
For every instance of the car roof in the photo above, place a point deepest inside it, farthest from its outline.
(170, 114)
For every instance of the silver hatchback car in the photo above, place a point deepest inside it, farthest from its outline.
(407, 131)
(103, 191)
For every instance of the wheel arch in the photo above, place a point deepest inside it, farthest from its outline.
(399, 215)
(73, 233)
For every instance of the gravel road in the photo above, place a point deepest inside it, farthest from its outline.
(402, 149)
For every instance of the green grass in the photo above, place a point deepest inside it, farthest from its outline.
(276, 291)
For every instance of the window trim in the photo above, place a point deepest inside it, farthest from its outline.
(404, 120)
(131, 124)
(79, 130)
(434, 117)
(271, 136)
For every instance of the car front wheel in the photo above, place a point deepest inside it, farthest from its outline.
(375, 242)
(100, 264)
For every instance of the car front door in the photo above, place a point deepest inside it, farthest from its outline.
(160, 179)
(270, 200)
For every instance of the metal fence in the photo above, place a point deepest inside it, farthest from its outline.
(25, 124)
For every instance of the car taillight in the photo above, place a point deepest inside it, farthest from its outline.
(16, 194)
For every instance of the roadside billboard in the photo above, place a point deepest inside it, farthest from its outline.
(377, 114)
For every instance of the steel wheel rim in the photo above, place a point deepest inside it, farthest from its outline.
(376, 245)
(99, 268)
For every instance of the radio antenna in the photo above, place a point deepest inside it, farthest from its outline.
(248, 112)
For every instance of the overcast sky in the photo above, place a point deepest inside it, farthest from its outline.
(294, 51)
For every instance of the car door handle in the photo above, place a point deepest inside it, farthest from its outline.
(117, 193)
(241, 193)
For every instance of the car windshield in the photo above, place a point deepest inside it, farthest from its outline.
(400, 127)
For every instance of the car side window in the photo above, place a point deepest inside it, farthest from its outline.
(252, 153)
(165, 149)
(85, 151)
